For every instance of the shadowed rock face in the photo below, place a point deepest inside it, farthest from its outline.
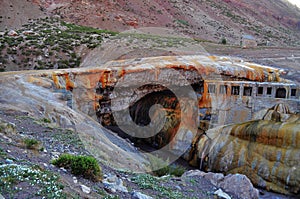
(225, 91)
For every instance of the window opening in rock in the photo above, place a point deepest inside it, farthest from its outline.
(211, 88)
(269, 91)
(235, 90)
(223, 89)
(247, 91)
(281, 93)
(260, 90)
(293, 92)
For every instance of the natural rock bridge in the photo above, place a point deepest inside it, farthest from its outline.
(197, 96)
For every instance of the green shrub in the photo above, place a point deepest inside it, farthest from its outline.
(86, 166)
(183, 22)
(30, 143)
(223, 41)
(45, 120)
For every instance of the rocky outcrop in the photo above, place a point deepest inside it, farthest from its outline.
(237, 185)
(267, 152)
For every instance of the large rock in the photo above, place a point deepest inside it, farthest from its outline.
(267, 152)
(235, 185)
(239, 185)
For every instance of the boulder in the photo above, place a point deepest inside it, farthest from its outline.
(12, 33)
(236, 185)
(85, 189)
(139, 195)
(239, 185)
(114, 184)
(266, 151)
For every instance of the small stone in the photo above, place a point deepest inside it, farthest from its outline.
(222, 194)
(9, 161)
(113, 184)
(85, 189)
(75, 180)
(139, 195)
(12, 33)
(63, 169)
(178, 187)
(112, 178)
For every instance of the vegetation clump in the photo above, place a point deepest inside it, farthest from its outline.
(223, 41)
(30, 143)
(13, 177)
(85, 166)
(147, 181)
(161, 167)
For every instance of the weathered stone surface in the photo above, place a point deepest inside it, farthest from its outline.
(85, 189)
(240, 186)
(113, 184)
(41, 102)
(265, 151)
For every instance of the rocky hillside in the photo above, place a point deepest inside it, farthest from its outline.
(48, 43)
(276, 22)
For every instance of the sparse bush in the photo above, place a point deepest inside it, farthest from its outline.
(30, 143)
(45, 120)
(223, 41)
(183, 22)
(86, 166)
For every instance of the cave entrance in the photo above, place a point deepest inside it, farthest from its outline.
(145, 97)
(281, 93)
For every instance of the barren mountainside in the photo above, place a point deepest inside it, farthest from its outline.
(276, 22)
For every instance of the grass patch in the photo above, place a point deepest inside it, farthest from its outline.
(85, 166)
(68, 136)
(105, 195)
(11, 176)
(161, 167)
(81, 29)
(147, 181)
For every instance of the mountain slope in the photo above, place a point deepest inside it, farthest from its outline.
(277, 22)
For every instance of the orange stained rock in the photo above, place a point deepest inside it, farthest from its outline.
(56, 81)
(69, 84)
(205, 101)
(90, 80)
(121, 72)
(266, 151)
(39, 82)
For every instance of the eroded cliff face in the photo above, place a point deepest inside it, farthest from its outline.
(193, 93)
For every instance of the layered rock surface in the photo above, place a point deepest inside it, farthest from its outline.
(79, 98)
(267, 151)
